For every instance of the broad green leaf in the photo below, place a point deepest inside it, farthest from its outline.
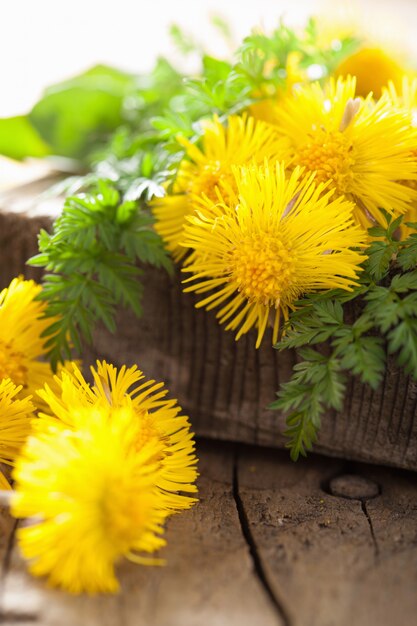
(78, 113)
(19, 139)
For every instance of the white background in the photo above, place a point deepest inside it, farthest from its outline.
(46, 41)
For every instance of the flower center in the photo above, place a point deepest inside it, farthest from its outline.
(208, 177)
(12, 364)
(263, 268)
(329, 154)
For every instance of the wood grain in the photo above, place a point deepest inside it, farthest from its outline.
(225, 386)
(337, 561)
(268, 544)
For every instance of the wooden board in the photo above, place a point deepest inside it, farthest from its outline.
(225, 386)
(335, 561)
(268, 544)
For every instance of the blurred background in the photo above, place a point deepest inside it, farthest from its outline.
(46, 41)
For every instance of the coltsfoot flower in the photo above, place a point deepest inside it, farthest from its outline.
(286, 237)
(207, 170)
(15, 417)
(89, 497)
(159, 421)
(373, 68)
(22, 346)
(363, 149)
(406, 98)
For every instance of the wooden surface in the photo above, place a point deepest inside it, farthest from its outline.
(268, 544)
(225, 386)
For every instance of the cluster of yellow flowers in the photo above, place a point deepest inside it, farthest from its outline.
(97, 467)
(276, 203)
(267, 206)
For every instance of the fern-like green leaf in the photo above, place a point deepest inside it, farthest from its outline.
(407, 255)
(302, 432)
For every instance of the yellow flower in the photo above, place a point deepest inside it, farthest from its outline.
(15, 417)
(207, 170)
(373, 69)
(90, 499)
(286, 237)
(364, 149)
(159, 420)
(21, 343)
(406, 97)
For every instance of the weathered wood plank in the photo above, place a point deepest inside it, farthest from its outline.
(208, 579)
(7, 528)
(337, 561)
(315, 559)
(22, 215)
(225, 386)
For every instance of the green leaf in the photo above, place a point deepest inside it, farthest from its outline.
(302, 432)
(19, 139)
(317, 376)
(401, 283)
(83, 110)
(216, 70)
(403, 340)
(119, 277)
(365, 357)
(407, 255)
(379, 254)
(223, 27)
(316, 383)
(183, 41)
(314, 322)
(393, 226)
(382, 307)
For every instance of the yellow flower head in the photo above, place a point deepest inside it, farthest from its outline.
(362, 148)
(15, 418)
(159, 421)
(90, 499)
(21, 343)
(285, 237)
(207, 170)
(406, 97)
(373, 69)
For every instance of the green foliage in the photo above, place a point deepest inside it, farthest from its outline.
(316, 378)
(382, 250)
(263, 59)
(105, 113)
(223, 28)
(73, 114)
(70, 117)
(314, 322)
(78, 117)
(91, 256)
(183, 41)
(394, 313)
(407, 255)
(353, 335)
(18, 139)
